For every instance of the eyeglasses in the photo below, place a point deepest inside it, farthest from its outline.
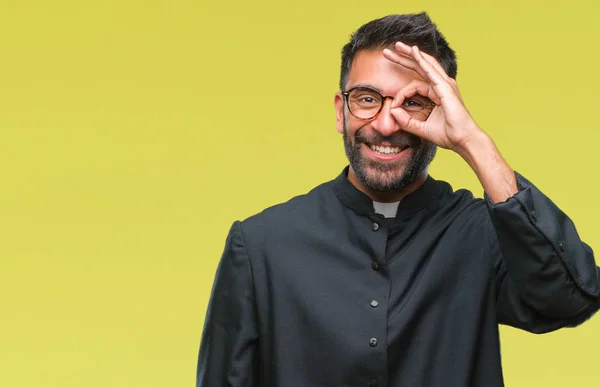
(365, 103)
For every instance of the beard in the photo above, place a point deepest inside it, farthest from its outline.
(381, 176)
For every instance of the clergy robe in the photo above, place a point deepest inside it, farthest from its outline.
(321, 291)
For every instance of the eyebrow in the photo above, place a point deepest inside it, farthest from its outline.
(364, 86)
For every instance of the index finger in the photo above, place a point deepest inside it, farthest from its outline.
(440, 83)
(431, 59)
(404, 61)
(415, 87)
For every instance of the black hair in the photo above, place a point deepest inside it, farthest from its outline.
(411, 29)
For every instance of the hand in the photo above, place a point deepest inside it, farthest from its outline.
(449, 125)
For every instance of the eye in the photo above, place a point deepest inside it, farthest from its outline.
(366, 99)
(413, 104)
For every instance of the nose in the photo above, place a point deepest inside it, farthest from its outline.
(385, 123)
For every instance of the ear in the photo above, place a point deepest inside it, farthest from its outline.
(338, 102)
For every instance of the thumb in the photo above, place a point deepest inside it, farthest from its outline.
(407, 122)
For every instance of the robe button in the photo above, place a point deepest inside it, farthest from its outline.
(374, 304)
(375, 226)
(375, 265)
(373, 342)
(561, 247)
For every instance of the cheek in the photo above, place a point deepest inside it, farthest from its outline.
(352, 127)
(350, 133)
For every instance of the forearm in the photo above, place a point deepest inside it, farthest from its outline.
(553, 271)
(550, 269)
(496, 177)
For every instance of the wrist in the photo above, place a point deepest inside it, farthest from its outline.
(496, 176)
(475, 147)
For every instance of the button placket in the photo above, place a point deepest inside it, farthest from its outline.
(378, 314)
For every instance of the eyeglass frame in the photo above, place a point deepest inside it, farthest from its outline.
(346, 95)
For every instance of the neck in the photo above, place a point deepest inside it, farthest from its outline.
(387, 197)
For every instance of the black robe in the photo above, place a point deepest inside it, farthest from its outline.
(322, 292)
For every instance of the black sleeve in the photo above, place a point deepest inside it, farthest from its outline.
(546, 276)
(229, 346)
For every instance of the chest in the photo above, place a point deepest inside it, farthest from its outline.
(372, 268)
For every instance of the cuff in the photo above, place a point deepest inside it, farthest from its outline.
(532, 216)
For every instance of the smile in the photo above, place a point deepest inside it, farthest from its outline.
(386, 150)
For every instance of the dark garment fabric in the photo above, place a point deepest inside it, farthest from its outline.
(321, 291)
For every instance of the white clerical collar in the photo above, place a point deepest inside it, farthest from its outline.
(388, 210)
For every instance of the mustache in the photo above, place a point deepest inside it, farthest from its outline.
(398, 140)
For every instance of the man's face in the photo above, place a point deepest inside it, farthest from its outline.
(382, 155)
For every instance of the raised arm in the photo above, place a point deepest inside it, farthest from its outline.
(546, 276)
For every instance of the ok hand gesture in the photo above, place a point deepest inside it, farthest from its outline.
(449, 125)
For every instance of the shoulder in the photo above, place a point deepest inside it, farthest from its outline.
(292, 214)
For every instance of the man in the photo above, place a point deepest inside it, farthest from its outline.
(385, 276)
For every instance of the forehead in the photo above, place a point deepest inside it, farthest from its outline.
(371, 68)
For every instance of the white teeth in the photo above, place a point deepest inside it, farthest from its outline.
(387, 150)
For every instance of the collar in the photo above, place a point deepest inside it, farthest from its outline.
(360, 203)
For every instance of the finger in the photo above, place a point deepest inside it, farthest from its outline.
(407, 50)
(441, 70)
(404, 61)
(455, 87)
(402, 48)
(413, 88)
(433, 61)
(400, 57)
(440, 85)
(407, 122)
